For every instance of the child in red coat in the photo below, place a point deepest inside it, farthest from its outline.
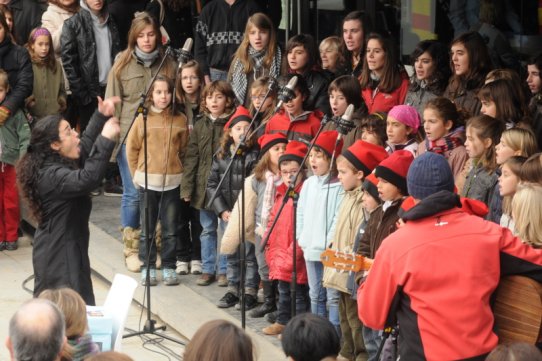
(279, 252)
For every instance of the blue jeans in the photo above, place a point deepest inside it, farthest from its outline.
(252, 278)
(208, 237)
(319, 295)
(217, 74)
(372, 339)
(166, 207)
(285, 306)
(129, 204)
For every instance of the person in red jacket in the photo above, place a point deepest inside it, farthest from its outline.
(435, 275)
(279, 252)
(384, 82)
(293, 120)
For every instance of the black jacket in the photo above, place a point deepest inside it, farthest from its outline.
(178, 24)
(219, 31)
(79, 56)
(123, 12)
(318, 83)
(15, 61)
(60, 253)
(233, 183)
(26, 16)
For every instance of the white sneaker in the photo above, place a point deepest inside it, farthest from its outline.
(196, 267)
(182, 268)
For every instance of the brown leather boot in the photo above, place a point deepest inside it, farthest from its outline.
(274, 329)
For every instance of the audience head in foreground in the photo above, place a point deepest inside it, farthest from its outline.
(36, 332)
(309, 337)
(219, 340)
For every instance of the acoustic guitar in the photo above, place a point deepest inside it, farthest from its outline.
(345, 262)
(518, 300)
(518, 310)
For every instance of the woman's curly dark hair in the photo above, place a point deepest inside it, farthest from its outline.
(441, 58)
(44, 133)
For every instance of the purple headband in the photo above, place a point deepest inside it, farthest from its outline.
(40, 32)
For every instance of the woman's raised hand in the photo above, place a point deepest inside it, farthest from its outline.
(107, 106)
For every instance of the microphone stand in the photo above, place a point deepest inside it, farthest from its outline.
(240, 152)
(291, 193)
(150, 324)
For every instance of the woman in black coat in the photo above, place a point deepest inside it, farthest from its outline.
(15, 61)
(56, 176)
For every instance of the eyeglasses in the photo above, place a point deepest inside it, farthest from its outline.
(289, 172)
(192, 78)
(69, 131)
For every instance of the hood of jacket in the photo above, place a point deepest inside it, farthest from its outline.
(95, 18)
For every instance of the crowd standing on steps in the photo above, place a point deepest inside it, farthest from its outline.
(435, 166)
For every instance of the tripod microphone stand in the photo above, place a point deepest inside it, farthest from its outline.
(150, 324)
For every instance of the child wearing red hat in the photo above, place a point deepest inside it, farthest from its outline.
(226, 196)
(260, 190)
(316, 219)
(279, 251)
(392, 189)
(293, 120)
(353, 165)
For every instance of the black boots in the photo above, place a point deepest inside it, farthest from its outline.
(270, 304)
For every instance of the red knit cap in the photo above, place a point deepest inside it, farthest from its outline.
(394, 169)
(326, 142)
(241, 114)
(370, 185)
(365, 156)
(295, 150)
(267, 141)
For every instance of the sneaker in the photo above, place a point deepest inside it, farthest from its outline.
(250, 303)
(169, 277)
(229, 300)
(152, 277)
(222, 281)
(274, 329)
(195, 267)
(11, 246)
(112, 190)
(182, 268)
(2, 245)
(205, 279)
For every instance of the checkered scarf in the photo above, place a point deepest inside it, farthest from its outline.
(239, 77)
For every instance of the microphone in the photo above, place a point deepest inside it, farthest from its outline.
(184, 55)
(344, 123)
(272, 84)
(286, 93)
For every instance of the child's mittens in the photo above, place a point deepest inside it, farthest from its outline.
(62, 105)
(30, 101)
(4, 114)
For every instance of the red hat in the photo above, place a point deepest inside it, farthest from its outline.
(327, 140)
(370, 186)
(365, 156)
(266, 141)
(295, 150)
(394, 169)
(241, 114)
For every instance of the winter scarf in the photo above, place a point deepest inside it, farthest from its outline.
(239, 77)
(146, 58)
(271, 182)
(447, 143)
